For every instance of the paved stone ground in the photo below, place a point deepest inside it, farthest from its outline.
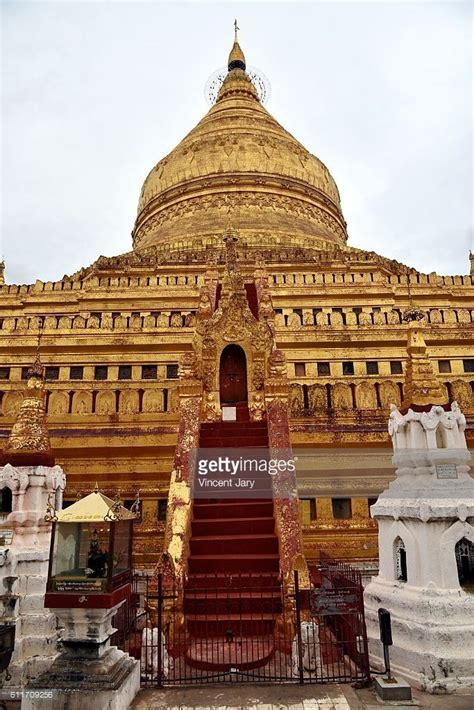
(287, 697)
(250, 697)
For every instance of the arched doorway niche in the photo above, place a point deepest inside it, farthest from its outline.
(233, 376)
(464, 551)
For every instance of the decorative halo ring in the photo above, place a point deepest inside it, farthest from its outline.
(258, 79)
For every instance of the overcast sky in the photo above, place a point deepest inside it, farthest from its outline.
(94, 94)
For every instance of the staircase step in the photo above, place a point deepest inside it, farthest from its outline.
(234, 563)
(218, 654)
(202, 509)
(241, 429)
(237, 581)
(230, 625)
(235, 425)
(232, 595)
(257, 489)
(225, 430)
(216, 441)
(218, 602)
(233, 544)
(239, 526)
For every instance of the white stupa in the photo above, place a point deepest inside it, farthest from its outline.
(426, 536)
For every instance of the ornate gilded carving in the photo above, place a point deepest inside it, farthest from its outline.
(462, 393)
(210, 409)
(258, 376)
(257, 407)
(258, 202)
(422, 387)
(317, 398)
(11, 404)
(366, 397)
(28, 443)
(341, 396)
(389, 394)
(105, 402)
(58, 403)
(296, 400)
(152, 401)
(277, 364)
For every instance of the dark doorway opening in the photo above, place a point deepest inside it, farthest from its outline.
(5, 501)
(465, 562)
(233, 375)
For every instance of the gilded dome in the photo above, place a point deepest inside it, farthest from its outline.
(239, 164)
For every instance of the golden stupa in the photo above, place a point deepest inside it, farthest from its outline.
(114, 334)
(239, 158)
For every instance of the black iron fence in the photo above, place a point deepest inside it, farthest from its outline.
(244, 627)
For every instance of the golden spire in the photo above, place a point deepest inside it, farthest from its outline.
(28, 443)
(230, 240)
(236, 56)
(237, 82)
(422, 388)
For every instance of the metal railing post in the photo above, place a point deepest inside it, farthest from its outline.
(160, 625)
(298, 627)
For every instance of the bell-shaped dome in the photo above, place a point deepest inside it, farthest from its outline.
(239, 164)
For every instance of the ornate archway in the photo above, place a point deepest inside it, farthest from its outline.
(233, 375)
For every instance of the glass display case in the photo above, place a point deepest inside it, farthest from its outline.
(91, 548)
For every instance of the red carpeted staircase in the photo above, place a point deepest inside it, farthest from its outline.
(233, 593)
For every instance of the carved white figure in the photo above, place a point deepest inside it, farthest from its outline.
(311, 649)
(149, 655)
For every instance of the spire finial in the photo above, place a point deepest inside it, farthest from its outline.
(37, 369)
(236, 56)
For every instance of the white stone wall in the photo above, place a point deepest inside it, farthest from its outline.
(24, 573)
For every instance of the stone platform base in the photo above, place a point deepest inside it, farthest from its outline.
(111, 682)
(432, 631)
(392, 689)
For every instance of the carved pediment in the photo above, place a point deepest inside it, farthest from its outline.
(233, 321)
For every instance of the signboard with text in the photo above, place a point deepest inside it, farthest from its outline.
(446, 470)
(334, 601)
(78, 585)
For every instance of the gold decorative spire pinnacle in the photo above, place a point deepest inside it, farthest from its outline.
(28, 443)
(422, 389)
(230, 240)
(236, 56)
